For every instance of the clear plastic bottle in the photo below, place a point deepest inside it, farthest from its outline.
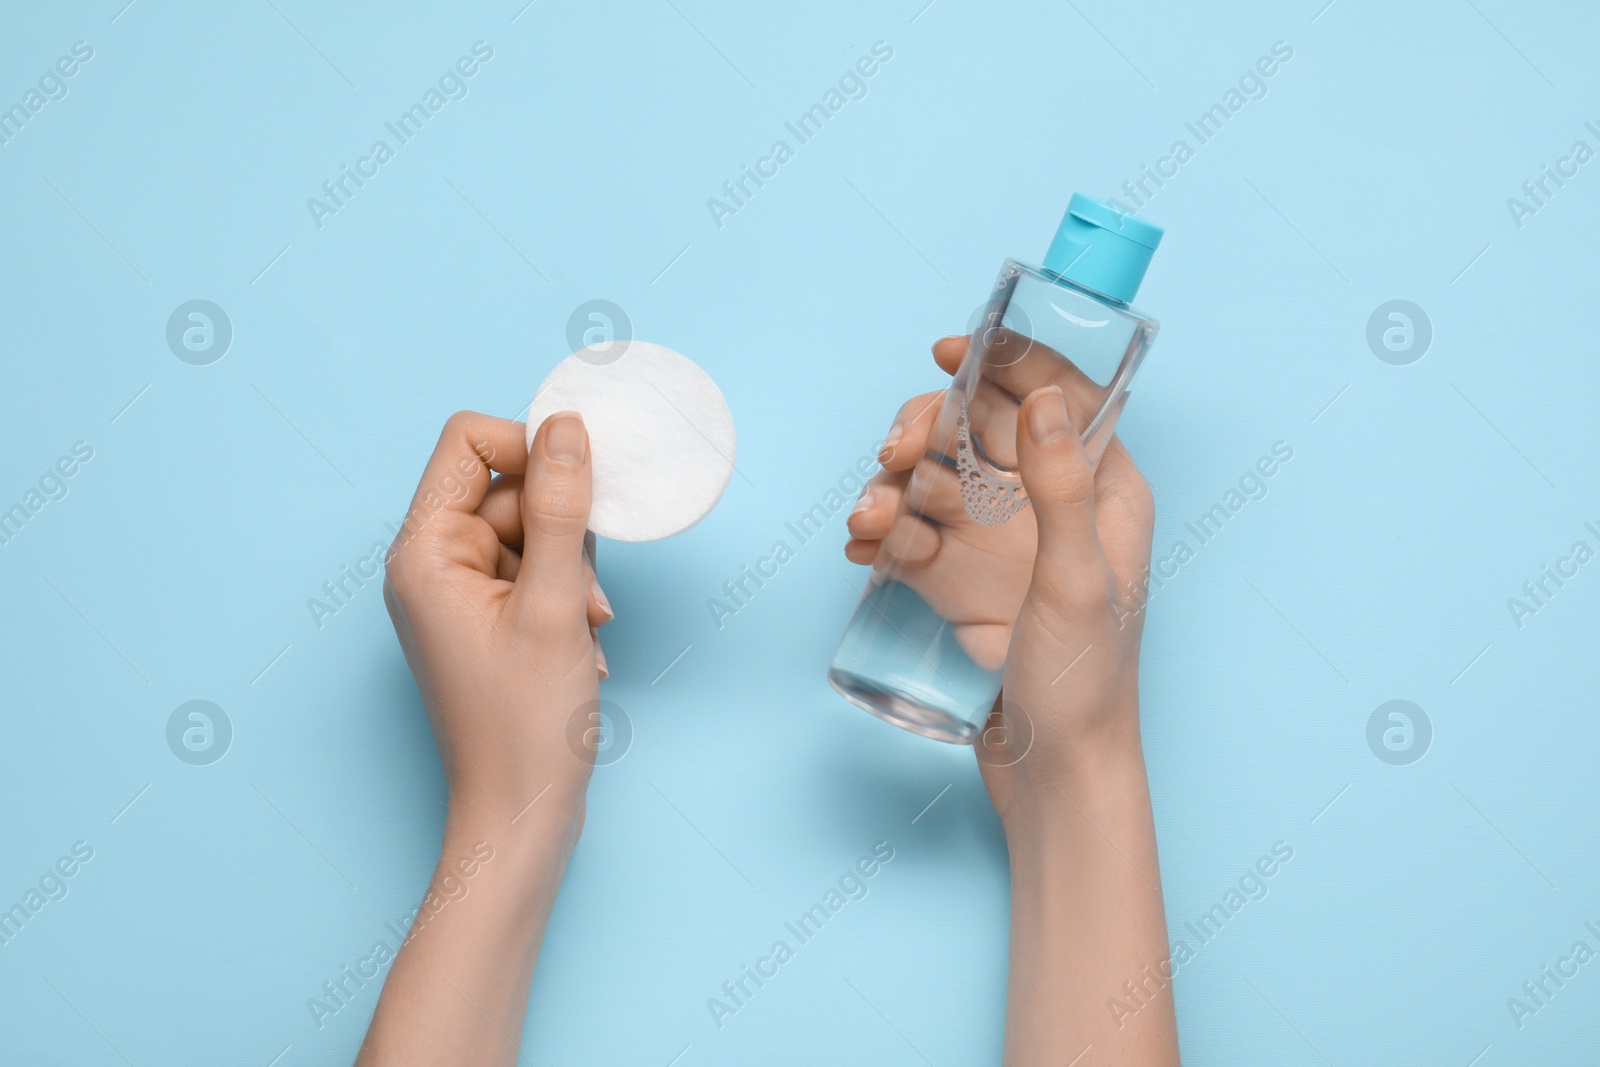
(927, 643)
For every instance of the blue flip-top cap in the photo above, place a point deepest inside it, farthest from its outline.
(1102, 248)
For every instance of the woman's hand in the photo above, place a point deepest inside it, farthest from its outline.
(496, 605)
(1060, 754)
(1071, 688)
(493, 594)
(1077, 558)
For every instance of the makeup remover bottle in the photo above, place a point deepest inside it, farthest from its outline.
(927, 643)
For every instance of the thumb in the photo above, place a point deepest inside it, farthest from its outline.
(556, 493)
(1060, 482)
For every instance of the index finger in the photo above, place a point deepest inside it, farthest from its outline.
(1018, 365)
(908, 435)
(471, 447)
(1013, 366)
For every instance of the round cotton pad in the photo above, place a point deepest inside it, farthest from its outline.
(660, 434)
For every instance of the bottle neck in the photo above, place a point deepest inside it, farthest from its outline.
(1061, 279)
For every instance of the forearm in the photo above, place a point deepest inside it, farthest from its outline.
(1087, 922)
(458, 990)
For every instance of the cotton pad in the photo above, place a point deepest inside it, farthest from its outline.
(660, 436)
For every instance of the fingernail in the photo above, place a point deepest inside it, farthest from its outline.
(1047, 417)
(600, 662)
(565, 438)
(600, 597)
(864, 504)
(886, 449)
(949, 337)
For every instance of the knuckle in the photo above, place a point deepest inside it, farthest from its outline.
(1093, 591)
(1073, 483)
(1144, 502)
(557, 507)
(918, 406)
(473, 531)
(453, 525)
(1139, 500)
(886, 480)
(1069, 593)
(399, 578)
(1132, 507)
(551, 621)
(458, 423)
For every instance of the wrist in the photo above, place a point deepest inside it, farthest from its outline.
(527, 836)
(494, 885)
(1057, 787)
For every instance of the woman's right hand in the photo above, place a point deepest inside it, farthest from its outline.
(1071, 653)
(1060, 754)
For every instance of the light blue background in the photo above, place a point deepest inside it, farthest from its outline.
(1377, 167)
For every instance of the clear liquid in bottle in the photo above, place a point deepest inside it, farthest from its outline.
(927, 644)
